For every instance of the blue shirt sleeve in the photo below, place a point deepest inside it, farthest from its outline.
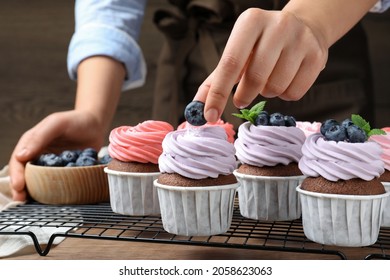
(380, 6)
(110, 28)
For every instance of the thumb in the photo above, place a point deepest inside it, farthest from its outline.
(28, 147)
(38, 138)
(23, 153)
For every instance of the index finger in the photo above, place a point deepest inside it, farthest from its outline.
(229, 68)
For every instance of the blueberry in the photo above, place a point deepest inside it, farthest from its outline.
(105, 159)
(346, 123)
(356, 134)
(71, 164)
(41, 159)
(327, 124)
(336, 133)
(89, 152)
(84, 160)
(262, 118)
(52, 160)
(277, 119)
(194, 114)
(290, 121)
(69, 156)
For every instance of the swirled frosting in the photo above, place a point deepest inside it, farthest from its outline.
(340, 160)
(268, 145)
(384, 142)
(198, 153)
(141, 143)
(229, 128)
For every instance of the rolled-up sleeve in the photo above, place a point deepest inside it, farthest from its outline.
(110, 28)
(380, 6)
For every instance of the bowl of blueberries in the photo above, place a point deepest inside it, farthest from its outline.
(70, 177)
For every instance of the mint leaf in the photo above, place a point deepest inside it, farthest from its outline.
(376, 131)
(365, 125)
(245, 112)
(258, 107)
(241, 116)
(237, 115)
(251, 114)
(362, 123)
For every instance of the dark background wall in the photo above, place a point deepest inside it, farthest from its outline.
(34, 37)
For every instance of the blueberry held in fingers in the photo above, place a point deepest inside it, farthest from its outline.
(194, 113)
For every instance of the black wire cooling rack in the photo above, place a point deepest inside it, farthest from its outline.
(99, 222)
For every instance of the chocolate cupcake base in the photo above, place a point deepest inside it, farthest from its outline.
(352, 187)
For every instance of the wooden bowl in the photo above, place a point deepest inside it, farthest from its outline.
(67, 185)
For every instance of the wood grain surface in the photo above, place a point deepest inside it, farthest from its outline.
(92, 249)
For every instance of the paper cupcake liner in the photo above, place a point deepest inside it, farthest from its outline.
(269, 198)
(196, 211)
(342, 220)
(133, 193)
(386, 208)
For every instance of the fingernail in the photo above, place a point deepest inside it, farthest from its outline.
(211, 115)
(22, 152)
(269, 94)
(240, 105)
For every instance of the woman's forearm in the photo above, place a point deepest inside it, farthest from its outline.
(330, 19)
(99, 83)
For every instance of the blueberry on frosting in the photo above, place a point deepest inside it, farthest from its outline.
(257, 116)
(352, 130)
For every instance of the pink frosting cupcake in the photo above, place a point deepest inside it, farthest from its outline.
(134, 166)
(384, 142)
(139, 144)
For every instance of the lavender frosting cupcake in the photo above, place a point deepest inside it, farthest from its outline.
(269, 172)
(196, 187)
(342, 198)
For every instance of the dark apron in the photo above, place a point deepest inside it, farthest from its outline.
(196, 32)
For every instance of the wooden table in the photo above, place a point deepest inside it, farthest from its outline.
(91, 249)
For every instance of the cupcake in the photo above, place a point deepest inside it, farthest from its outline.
(134, 166)
(342, 197)
(268, 147)
(384, 142)
(196, 187)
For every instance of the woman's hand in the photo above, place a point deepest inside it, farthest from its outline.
(99, 85)
(55, 133)
(278, 53)
(271, 53)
